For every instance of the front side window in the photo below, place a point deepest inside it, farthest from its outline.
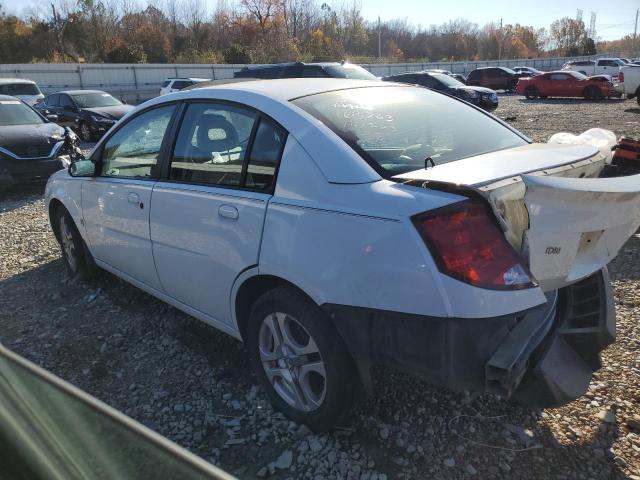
(180, 84)
(65, 101)
(95, 100)
(133, 150)
(52, 100)
(398, 129)
(165, 84)
(559, 76)
(14, 112)
(212, 144)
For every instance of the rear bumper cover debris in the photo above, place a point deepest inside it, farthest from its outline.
(541, 357)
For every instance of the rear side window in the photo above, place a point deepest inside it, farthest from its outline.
(313, 72)
(165, 84)
(265, 154)
(53, 100)
(180, 84)
(212, 144)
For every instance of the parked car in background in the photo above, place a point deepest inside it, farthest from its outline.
(90, 112)
(438, 70)
(29, 143)
(496, 78)
(171, 85)
(306, 70)
(563, 83)
(460, 77)
(336, 224)
(23, 89)
(602, 66)
(630, 79)
(480, 96)
(526, 71)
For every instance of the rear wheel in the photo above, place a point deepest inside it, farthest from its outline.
(531, 92)
(75, 254)
(592, 93)
(300, 359)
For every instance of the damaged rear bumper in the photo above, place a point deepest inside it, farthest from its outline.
(543, 357)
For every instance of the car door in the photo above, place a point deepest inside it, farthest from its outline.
(207, 214)
(67, 111)
(51, 104)
(115, 203)
(560, 84)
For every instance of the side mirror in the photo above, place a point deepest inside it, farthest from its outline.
(52, 117)
(82, 168)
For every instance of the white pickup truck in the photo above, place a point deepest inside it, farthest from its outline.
(630, 78)
(601, 66)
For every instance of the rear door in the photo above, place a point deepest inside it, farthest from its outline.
(116, 203)
(66, 111)
(208, 212)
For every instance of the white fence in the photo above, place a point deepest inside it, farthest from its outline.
(138, 82)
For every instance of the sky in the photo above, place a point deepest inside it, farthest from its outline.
(613, 19)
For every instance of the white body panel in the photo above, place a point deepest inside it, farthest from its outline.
(631, 79)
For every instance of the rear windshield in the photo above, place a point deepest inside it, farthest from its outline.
(165, 83)
(400, 129)
(448, 80)
(93, 100)
(355, 72)
(14, 112)
(14, 89)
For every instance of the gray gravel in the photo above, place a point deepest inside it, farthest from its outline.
(193, 384)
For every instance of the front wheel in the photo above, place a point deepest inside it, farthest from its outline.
(75, 254)
(300, 359)
(531, 92)
(85, 132)
(592, 93)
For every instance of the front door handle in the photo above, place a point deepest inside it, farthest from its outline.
(133, 198)
(228, 211)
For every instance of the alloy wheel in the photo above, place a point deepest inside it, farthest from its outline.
(292, 362)
(68, 245)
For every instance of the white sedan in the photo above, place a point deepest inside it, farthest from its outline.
(335, 224)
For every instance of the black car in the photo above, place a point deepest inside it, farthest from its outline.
(306, 70)
(482, 97)
(30, 143)
(497, 78)
(90, 112)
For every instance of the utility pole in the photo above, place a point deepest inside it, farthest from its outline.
(380, 45)
(500, 42)
(635, 30)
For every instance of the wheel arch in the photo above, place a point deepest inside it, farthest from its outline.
(54, 205)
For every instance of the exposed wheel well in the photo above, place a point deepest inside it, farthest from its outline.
(250, 291)
(54, 205)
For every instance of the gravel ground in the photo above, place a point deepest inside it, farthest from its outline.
(193, 384)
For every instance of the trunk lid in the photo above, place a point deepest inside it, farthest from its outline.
(553, 203)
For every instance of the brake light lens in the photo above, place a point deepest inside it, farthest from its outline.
(621, 77)
(467, 244)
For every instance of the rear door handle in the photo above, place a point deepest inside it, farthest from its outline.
(228, 211)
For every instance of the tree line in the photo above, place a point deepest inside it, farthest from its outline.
(264, 31)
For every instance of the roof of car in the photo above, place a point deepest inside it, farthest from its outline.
(15, 80)
(80, 92)
(195, 79)
(293, 64)
(286, 89)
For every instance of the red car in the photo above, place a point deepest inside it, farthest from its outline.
(565, 84)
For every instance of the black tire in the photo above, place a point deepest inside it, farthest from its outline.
(592, 93)
(75, 254)
(85, 133)
(531, 92)
(340, 386)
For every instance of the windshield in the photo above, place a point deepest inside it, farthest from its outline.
(93, 100)
(448, 81)
(14, 112)
(354, 72)
(399, 129)
(14, 89)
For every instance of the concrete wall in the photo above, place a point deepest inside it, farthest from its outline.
(139, 82)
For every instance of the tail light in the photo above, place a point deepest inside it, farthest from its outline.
(467, 244)
(621, 77)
